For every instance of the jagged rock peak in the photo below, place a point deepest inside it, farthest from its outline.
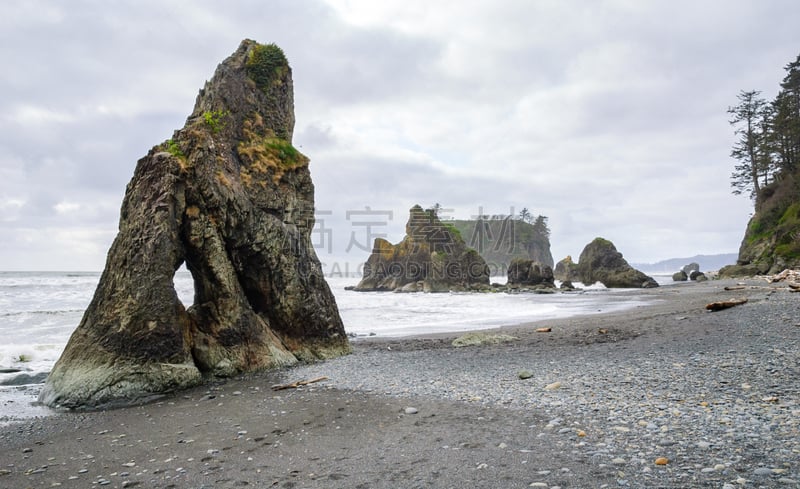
(253, 84)
(229, 196)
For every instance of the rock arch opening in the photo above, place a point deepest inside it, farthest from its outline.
(184, 286)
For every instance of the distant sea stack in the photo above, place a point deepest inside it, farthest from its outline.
(566, 270)
(431, 258)
(229, 196)
(501, 240)
(601, 262)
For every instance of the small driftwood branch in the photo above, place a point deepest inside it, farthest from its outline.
(296, 384)
(735, 287)
(718, 306)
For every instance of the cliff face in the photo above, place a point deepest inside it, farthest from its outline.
(233, 199)
(772, 240)
(499, 241)
(432, 258)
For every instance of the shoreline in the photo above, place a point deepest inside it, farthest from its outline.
(714, 393)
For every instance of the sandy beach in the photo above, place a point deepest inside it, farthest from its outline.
(664, 395)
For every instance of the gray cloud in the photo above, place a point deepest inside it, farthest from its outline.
(608, 117)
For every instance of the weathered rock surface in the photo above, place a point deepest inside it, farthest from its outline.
(771, 241)
(432, 256)
(231, 198)
(566, 270)
(601, 262)
(691, 267)
(530, 273)
(697, 276)
(680, 276)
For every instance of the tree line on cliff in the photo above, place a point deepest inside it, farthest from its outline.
(767, 154)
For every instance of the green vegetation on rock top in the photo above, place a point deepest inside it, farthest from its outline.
(266, 65)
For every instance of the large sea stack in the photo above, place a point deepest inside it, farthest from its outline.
(229, 196)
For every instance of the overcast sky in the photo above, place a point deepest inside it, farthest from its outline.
(609, 117)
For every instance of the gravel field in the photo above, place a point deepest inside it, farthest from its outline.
(715, 394)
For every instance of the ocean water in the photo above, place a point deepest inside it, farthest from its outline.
(40, 310)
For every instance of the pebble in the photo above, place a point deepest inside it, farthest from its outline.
(553, 386)
(762, 471)
(410, 410)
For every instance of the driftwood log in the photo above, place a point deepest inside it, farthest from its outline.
(296, 384)
(718, 306)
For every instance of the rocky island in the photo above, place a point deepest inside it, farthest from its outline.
(432, 257)
(601, 262)
(229, 196)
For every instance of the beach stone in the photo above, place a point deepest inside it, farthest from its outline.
(479, 339)
(553, 386)
(411, 410)
(662, 461)
(229, 196)
(763, 471)
(525, 374)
